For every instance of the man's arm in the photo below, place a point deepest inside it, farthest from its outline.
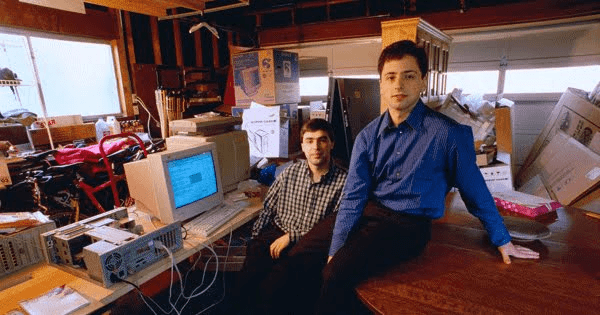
(355, 194)
(267, 214)
(479, 201)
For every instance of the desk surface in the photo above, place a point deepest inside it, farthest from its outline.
(45, 277)
(461, 272)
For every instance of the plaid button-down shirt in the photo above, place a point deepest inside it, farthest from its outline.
(295, 203)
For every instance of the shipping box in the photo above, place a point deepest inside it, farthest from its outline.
(271, 133)
(567, 168)
(267, 77)
(498, 177)
(63, 134)
(574, 115)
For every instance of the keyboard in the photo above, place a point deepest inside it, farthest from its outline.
(207, 222)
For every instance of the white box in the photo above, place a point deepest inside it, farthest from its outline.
(318, 114)
(270, 134)
(568, 168)
(574, 115)
(58, 121)
(498, 177)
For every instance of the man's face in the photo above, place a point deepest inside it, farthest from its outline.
(401, 84)
(317, 147)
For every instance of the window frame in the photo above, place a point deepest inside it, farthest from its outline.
(81, 39)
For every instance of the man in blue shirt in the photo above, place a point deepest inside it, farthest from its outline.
(402, 166)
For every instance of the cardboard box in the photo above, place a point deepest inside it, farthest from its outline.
(270, 133)
(58, 121)
(318, 114)
(485, 158)
(498, 177)
(589, 202)
(63, 134)
(568, 169)
(573, 115)
(287, 110)
(267, 77)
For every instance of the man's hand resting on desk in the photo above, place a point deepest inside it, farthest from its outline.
(517, 251)
(279, 244)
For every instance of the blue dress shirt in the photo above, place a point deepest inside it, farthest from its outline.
(411, 168)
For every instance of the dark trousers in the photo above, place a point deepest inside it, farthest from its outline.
(382, 238)
(258, 264)
(290, 284)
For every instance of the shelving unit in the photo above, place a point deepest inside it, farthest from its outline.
(15, 84)
(436, 44)
(203, 83)
(10, 82)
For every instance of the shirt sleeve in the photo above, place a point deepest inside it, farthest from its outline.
(267, 214)
(355, 194)
(466, 176)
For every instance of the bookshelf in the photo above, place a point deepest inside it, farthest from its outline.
(436, 44)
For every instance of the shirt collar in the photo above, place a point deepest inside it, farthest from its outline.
(414, 119)
(327, 175)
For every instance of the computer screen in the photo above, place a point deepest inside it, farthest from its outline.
(178, 184)
(192, 178)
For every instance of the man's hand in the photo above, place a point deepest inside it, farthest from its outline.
(517, 251)
(279, 244)
(329, 259)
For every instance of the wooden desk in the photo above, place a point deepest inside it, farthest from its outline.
(45, 277)
(461, 272)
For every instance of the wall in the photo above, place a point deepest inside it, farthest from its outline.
(560, 43)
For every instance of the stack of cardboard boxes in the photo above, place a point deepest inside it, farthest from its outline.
(564, 162)
(267, 93)
(495, 161)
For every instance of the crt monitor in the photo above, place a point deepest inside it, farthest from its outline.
(233, 151)
(176, 185)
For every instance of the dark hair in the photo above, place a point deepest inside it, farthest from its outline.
(316, 124)
(398, 50)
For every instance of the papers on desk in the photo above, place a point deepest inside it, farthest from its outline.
(58, 301)
(22, 219)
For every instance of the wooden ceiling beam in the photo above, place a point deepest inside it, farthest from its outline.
(189, 4)
(152, 8)
(534, 11)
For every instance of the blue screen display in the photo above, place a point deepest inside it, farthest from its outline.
(192, 178)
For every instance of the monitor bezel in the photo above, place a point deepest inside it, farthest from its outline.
(163, 186)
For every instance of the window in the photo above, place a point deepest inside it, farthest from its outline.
(473, 82)
(314, 86)
(75, 76)
(551, 80)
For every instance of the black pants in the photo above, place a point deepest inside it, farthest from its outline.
(256, 268)
(382, 238)
(290, 284)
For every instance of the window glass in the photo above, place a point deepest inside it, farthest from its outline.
(314, 86)
(551, 80)
(76, 77)
(473, 82)
(15, 62)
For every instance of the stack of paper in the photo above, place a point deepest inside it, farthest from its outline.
(58, 301)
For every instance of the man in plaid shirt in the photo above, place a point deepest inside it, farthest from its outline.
(301, 196)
